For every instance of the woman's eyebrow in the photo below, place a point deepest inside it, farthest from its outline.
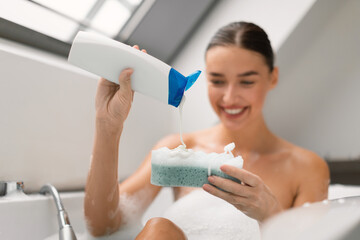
(248, 73)
(214, 74)
(244, 74)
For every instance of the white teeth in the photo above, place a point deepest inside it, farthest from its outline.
(233, 111)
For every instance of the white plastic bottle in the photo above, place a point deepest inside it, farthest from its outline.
(107, 58)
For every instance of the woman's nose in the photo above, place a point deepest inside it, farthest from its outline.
(230, 95)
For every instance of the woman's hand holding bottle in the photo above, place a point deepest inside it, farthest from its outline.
(113, 102)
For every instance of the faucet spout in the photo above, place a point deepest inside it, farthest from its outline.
(66, 232)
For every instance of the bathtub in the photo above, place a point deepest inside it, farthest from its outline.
(337, 219)
(34, 216)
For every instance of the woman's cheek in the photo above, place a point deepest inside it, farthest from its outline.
(212, 97)
(255, 97)
(260, 98)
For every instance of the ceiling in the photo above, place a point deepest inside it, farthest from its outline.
(160, 26)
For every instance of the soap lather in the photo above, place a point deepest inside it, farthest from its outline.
(188, 168)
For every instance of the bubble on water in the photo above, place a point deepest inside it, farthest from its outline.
(133, 206)
(113, 192)
(203, 216)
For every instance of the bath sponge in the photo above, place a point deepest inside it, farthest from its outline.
(185, 167)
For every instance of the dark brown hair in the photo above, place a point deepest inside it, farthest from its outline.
(245, 35)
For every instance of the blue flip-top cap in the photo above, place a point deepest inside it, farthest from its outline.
(191, 79)
(178, 83)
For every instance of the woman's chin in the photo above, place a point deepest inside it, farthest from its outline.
(232, 125)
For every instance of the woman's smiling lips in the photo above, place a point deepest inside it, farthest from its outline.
(233, 112)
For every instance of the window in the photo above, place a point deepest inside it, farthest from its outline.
(160, 26)
(51, 25)
(62, 19)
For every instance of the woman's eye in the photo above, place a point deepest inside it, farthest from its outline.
(248, 83)
(217, 82)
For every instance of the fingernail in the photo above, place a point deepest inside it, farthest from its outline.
(223, 168)
(211, 179)
(129, 72)
(206, 187)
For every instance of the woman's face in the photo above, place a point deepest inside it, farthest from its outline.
(238, 81)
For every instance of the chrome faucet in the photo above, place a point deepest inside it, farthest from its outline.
(6, 188)
(66, 232)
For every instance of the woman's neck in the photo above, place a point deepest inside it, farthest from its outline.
(254, 138)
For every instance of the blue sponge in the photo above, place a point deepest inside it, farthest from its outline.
(185, 167)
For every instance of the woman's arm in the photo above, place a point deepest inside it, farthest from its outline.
(113, 104)
(106, 201)
(102, 191)
(313, 178)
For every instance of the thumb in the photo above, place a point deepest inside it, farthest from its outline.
(125, 80)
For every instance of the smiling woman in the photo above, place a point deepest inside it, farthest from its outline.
(276, 175)
(238, 81)
(240, 71)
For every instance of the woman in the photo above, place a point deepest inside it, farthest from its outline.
(277, 175)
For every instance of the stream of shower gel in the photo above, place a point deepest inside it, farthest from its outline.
(180, 114)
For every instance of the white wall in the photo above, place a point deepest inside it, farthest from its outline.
(47, 106)
(47, 121)
(316, 104)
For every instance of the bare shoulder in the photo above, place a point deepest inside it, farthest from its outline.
(311, 175)
(308, 161)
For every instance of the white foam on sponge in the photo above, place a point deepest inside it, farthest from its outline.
(181, 156)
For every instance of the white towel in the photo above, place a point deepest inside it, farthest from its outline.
(203, 216)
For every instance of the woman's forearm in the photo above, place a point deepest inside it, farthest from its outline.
(102, 187)
(112, 104)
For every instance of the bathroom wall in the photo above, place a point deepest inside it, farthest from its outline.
(316, 104)
(47, 121)
(47, 106)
